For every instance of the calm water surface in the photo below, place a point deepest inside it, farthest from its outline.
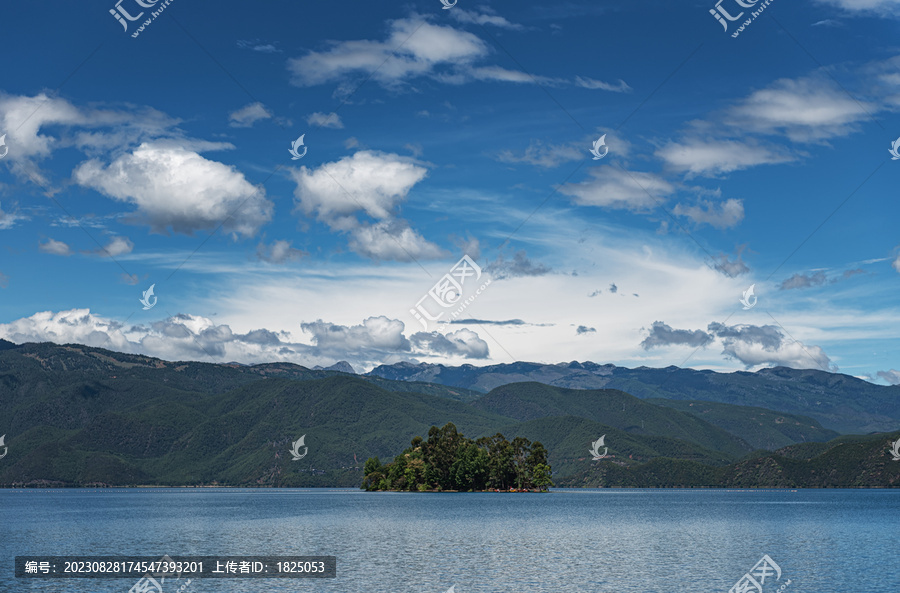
(623, 541)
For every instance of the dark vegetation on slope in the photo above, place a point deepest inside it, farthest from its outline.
(75, 415)
(839, 402)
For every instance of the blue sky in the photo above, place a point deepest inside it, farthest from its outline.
(162, 159)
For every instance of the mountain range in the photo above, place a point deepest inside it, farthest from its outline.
(73, 415)
(840, 402)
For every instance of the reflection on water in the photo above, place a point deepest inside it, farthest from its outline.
(626, 541)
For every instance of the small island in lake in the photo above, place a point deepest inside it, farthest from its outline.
(448, 461)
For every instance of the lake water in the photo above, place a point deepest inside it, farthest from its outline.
(622, 541)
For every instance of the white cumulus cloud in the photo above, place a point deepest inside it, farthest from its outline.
(176, 188)
(369, 184)
(54, 247)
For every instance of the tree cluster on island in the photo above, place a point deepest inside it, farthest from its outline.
(450, 461)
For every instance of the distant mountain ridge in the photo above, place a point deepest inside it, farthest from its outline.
(75, 415)
(342, 367)
(839, 402)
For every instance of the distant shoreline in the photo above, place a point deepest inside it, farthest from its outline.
(353, 489)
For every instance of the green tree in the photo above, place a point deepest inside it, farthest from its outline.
(521, 448)
(449, 461)
(540, 476)
(537, 456)
(372, 474)
(470, 470)
(439, 453)
(501, 467)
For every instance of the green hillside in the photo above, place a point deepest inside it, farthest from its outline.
(239, 437)
(847, 462)
(762, 428)
(568, 440)
(609, 407)
(74, 415)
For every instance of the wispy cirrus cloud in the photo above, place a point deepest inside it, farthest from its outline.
(804, 110)
(589, 83)
(414, 48)
(258, 46)
(424, 49)
(808, 109)
(720, 215)
(714, 157)
(325, 120)
(611, 187)
(483, 18)
(248, 115)
(8, 219)
(279, 252)
(545, 156)
(886, 8)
